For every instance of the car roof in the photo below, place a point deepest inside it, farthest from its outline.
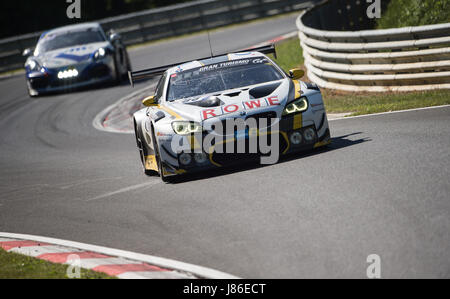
(210, 61)
(77, 27)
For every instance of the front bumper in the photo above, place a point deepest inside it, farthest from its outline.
(89, 74)
(288, 126)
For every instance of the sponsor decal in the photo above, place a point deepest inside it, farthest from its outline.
(232, 63)
(164, 137)
(70, 54)
(73, 57)
(260, 60)
(273, 101)
(232, 108)
(254, 104)
(212, 112)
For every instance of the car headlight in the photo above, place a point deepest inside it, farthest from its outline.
(299, 105)
(33, 65)
(186, 127)
(71, 73)
(100, 53)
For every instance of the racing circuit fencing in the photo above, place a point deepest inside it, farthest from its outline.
(402, 59)
(166, 22)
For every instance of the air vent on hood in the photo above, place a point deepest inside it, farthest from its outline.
(263, 91)
(211, 101)
(233, 94)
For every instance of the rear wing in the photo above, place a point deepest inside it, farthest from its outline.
(157, 71)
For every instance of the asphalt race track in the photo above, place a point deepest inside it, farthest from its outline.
(381, 188)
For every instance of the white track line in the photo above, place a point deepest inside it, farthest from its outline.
(151, 275)
(126, 189)
(199, 271)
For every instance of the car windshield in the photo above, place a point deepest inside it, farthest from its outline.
(221, 76)
(52, 42)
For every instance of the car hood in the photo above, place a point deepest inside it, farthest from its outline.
(235, 102)
(70, 56)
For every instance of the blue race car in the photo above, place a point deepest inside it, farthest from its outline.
(73, 57)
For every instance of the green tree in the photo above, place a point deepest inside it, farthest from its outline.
(403, 13)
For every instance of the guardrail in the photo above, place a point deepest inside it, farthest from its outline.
(166, 22)
(401, 59)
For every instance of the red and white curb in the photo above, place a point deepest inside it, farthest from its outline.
(114, 262)
(117, 118)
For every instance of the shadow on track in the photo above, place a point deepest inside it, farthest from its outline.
(338, 143)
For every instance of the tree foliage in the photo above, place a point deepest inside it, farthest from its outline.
(403, 13)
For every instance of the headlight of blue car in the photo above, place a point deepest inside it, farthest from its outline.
(100, 53)
(299, 105)
(33, 65)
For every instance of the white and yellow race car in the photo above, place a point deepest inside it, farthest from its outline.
(225, 109)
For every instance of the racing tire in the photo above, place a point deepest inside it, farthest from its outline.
(142, 151)
(127, 66)
(142, 154)
(117, 76)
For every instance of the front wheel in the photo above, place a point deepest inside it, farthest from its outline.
(117, 78)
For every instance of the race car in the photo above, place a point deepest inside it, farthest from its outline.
(185, 126)
(73, 57)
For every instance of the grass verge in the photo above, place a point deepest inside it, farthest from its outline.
(360, 104)
(290, 55)
(17, 266)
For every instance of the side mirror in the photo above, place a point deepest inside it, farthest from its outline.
(27, 52)
(296, 74)
(149, 101)
(113, 37)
